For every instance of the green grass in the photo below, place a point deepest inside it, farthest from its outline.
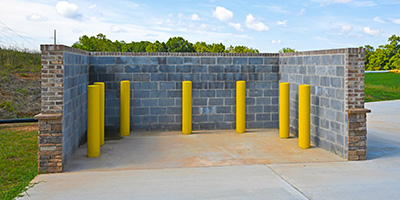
(382, 86)
(18, 161)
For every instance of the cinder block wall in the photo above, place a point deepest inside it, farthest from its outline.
(336, 78)
(74, 122)
(156, 88)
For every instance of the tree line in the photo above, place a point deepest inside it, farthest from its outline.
(385, 57)
(174, 44)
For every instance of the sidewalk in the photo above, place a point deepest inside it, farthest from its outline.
(376, 178)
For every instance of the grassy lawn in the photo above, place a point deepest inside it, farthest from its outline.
(382, 86)
(18, 158)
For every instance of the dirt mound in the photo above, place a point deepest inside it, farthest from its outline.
(19, 95)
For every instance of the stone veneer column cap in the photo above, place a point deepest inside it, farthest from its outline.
(358, 110)
(48, 116)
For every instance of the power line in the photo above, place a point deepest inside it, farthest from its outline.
(32, 45)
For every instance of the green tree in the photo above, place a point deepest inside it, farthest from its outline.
(241, 49)
(385, 57)
(178, 44)
(287, 50)
(201, 47)
(156, 47)
(217, 48)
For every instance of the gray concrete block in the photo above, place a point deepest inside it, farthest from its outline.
(216, 85)
(166, 68)
(208, 77)
(247, 69)
(124, 60)
(330, 71)
(316, 60)
(271, 124)
(240, 77)
(275, 116)
(325, 102)
(191, 77)
(94, 69)
(224, 60)
(140, 111)
(270, 93)
(303, 70)
(175, 60)
(200, 85)
(339, 94)
(158, 60)
(255, 92)
(229, 117)
(324, 81)
(174, 94)
(254, 109)
(106, 77)
(133, 68)
(136, 102)
(122, 76)
(263, 69)
(223, 109)
(215, 101)
(184, 69)
(229, 101)
(174, 77)
(216, 69)
(150, 85)
(337, 59)
(271, 77)
(299, 61)
(207, 93)
(141, 60)
(106, 60)
(191, 60)
(263, 117)
(255, 125)
(240, 61)
(167, 85)
(174, 110)
(275, 68)
(326, 60)
(336, 82)
(337, 105)
(149, 68)
(199, 118)
(208, 60)
(141, 94)
(273, 60)
(315, 80)
(270, 109)
(230, 85)
(225, 77)
(307, 60)
(330, 114)
(93, 60)
(311, 70)
(140, 77)
(158, 111)
(264, 85)
(306, 80)
(263, 101)
(158, 77)
(250, 100)
(255, 77)
(232, 68)
(149, 119)
(335, 127)
(208, 110)
(199, 68)
(166, 102)
(223, 125)
(324, 123)
(340, 71)
(256, 61)
(166, 119)
(158, 94)
(200, 101)
(223, 93)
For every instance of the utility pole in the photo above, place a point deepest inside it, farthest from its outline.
(55, 40)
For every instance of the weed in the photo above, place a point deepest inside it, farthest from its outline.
(7, 105)
(24, 75)
(22, 91)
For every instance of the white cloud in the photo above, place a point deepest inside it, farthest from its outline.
(346, 28)
(252, 23)
(92, 6)
(379, 20)
(396, 21)
(282, 23)
(68, 10)
(36, 17)
(195, 17)
(372, 32)
(237, 26)
(223, 14)
(276, 42)
(301, 12)
(278, 9)
(116, 29)
(350, 2)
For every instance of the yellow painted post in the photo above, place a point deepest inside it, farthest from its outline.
(240, 106)
(102, 96)
(284, 110)
(304, 116)
(125, 108)
(187, 107)
(93, 120)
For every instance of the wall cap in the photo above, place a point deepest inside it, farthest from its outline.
(48, 116)
(358, 110)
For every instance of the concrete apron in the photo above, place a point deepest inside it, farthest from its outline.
(157, 150)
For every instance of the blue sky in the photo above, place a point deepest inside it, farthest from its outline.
(264, 25)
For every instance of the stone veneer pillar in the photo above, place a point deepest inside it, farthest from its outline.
(50, 120)
(356, 113)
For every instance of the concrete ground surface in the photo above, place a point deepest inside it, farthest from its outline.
(234, 172)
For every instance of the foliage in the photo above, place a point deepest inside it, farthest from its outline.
(18, 161)
(7, 105)
(287, 50)
(174, 44)
(16, 61)
(385, 57)
(382, 86)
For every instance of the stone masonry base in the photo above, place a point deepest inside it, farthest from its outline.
(357, 138)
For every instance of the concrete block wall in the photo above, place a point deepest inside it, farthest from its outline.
(74, 122)
(336, 87)
(156, 88)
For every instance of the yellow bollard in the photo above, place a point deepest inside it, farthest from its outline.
(125, 108)
(241, 106)
(187, 107)
(102, 96)
(93, 120)
(284, 110)
(304, 116)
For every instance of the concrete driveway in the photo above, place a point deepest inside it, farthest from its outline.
(376, 178)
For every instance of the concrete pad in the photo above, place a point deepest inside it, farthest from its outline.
(234, 182)
(158, 150)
